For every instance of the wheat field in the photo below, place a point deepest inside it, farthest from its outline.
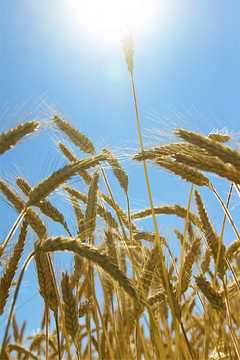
(128, 295)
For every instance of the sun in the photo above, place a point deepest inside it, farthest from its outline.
(108, 19)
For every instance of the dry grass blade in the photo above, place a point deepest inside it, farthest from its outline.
(225, 153)
(11, 267)
(70, 307)
(92, 254)
(75, 136)
(47, 186)
(118, 170)
(10, 138)
(213, 296)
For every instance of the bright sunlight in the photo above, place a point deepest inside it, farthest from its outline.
(108, 19)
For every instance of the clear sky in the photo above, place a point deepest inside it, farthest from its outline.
(187, 64)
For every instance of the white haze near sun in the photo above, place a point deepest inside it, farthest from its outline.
(107, 20)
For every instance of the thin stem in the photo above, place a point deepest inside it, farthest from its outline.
(152, 209)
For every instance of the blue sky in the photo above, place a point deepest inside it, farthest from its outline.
(187, 64)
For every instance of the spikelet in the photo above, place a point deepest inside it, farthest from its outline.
(213, 296)
(70, 307)
(47, 186)
(205, 262)
(232, 250)
(189, 260)
(11, 268)
(45, 281)
(219, 137)
(118, 170)
(75, 136)
(10, 138)
(45, 206)
(211, 236)
(91, 210)
(85, 306)
(128, 49)
(92, 254)
(112, 250)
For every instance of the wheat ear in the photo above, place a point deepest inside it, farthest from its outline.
(74, 135)
(72, 158)
(45, 205)
(47, 186)
(11, 268)
(224, 152)
(92, 254)
(10, 138)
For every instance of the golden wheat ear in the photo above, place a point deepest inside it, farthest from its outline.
(10, 138)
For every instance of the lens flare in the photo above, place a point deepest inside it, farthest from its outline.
(107, 19)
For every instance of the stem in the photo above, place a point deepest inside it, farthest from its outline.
(153, 213)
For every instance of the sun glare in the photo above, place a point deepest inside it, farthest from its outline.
(108, 19)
